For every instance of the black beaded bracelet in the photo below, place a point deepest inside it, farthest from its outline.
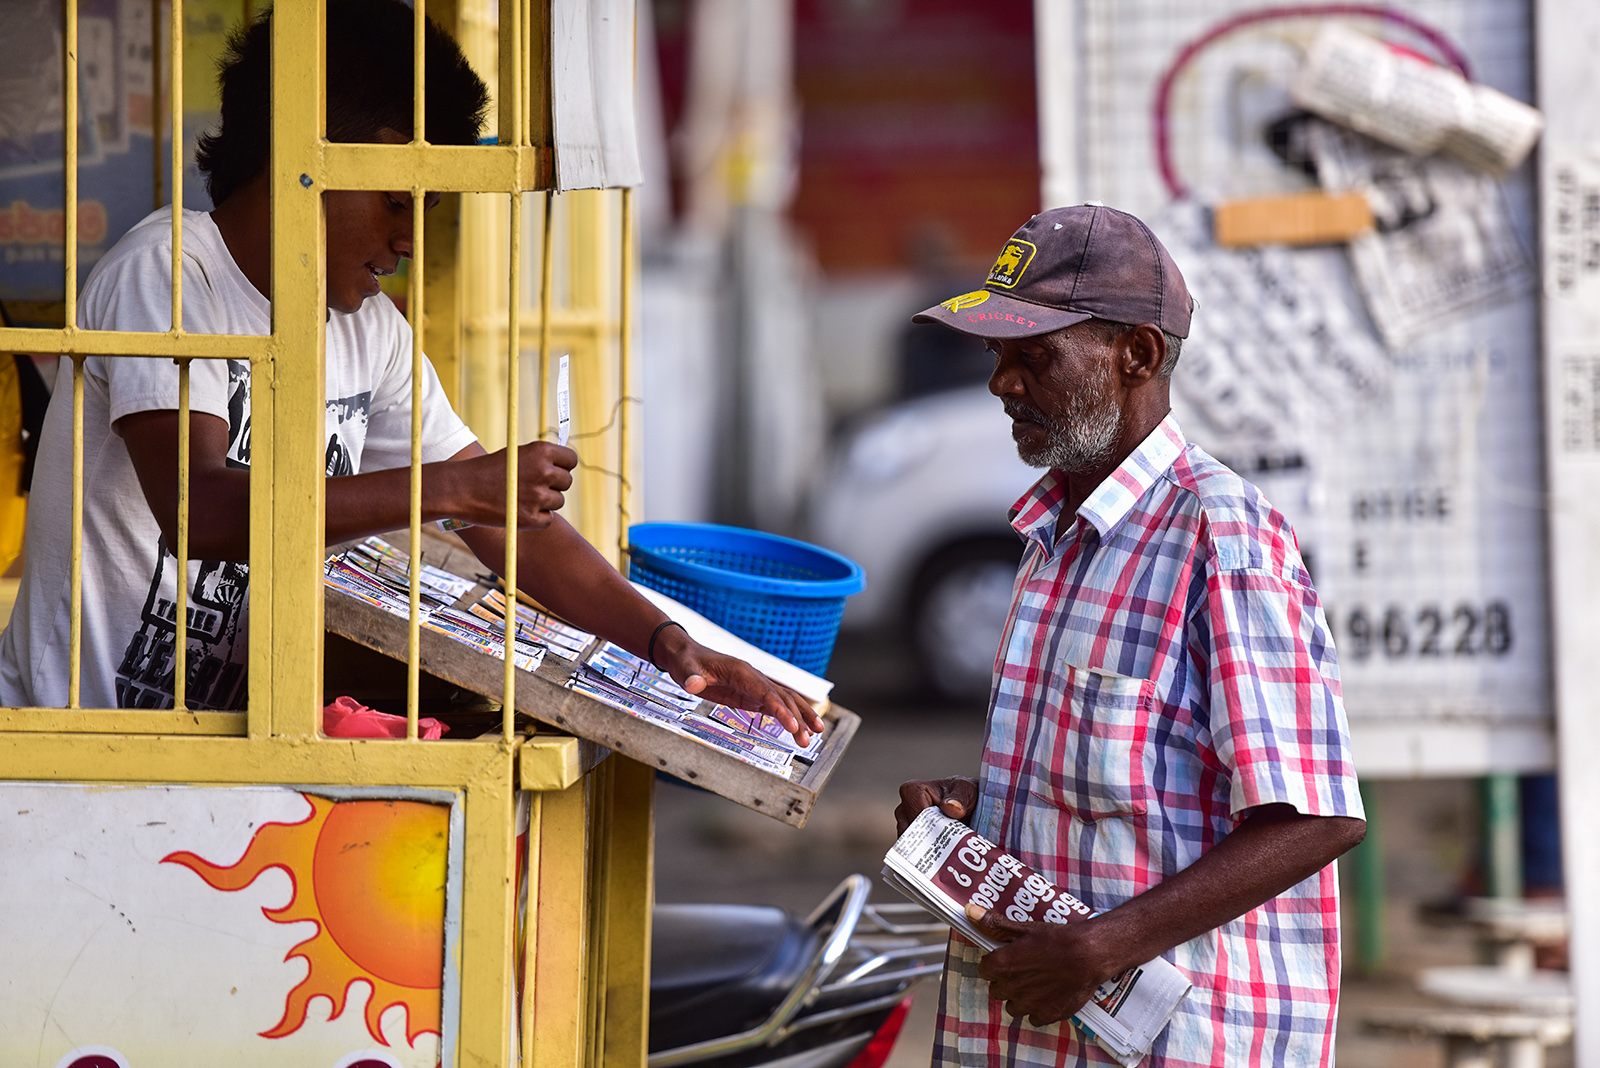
(650, 653)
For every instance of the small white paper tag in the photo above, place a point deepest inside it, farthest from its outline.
(563, 401)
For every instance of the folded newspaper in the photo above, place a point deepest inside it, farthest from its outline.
(944, 866)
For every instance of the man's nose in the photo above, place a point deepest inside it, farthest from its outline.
(1003, 379)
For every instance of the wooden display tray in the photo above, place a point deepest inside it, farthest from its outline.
(543, 695)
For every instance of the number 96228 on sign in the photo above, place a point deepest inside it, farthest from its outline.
(1431, 631)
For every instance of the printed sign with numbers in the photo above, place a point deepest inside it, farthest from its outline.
(1409, 458)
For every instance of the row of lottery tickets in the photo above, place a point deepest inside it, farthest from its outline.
(379, 574)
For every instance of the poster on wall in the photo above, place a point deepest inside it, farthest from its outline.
(187, 927)
(1384, 394)
(119, 153)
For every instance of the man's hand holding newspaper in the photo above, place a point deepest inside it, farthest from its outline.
(1041, 958)
(1045, 971)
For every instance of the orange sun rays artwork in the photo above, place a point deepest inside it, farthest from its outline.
(371, 876)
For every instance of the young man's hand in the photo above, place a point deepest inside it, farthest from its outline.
(473, 488)
(956, 797)
(730, 681)
(1044, 971)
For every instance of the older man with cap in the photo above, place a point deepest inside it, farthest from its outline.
(1166, 738)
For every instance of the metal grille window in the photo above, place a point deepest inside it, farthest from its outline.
(489, 255)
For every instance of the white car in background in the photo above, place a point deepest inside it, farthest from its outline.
(917, 494)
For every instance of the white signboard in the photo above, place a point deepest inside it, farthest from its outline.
(188, 927)
(1384, 397)
(592, 94)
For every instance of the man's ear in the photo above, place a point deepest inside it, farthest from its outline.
(1143, 350)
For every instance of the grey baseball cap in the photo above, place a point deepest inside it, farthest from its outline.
(1067, 265)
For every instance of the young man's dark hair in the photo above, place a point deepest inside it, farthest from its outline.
(369, 89)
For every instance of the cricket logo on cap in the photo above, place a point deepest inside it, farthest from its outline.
(1014, 259)
(965, 301)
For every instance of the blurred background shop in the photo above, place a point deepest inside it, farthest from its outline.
(1367, 350)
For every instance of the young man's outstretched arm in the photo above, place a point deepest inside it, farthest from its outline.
(555, 565)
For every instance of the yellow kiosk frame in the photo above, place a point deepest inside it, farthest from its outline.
(586, 931)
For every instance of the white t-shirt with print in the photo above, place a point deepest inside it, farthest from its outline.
(129, 595)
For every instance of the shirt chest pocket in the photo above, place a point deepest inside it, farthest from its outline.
(1089, 760)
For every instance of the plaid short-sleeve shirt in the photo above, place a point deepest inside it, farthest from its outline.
(1166, 667)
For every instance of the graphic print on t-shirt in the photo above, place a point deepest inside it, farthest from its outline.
(345, 410)
(217, 625)
(238, 414)
(216, 612)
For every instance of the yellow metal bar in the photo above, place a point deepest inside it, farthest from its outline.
(121, 721)
(511, 77)
(69, 206)
(555, 1008)
(176, 79)
(419, 80)
(442, 168)
(529, 934)
(624, 376)
(548, 762)
(626, 892)
(546, 289)
(602, 819)
(513, 345)
(526, 66)
(287, 499)
(75, 581)
(414, 313)
(590, 245)
(181, 758)
(155, 107)
(488, 913)
(130, 344)
(537, 67)
(180, 551)
(587, 324)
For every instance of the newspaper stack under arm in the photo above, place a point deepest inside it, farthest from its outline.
(944, 865)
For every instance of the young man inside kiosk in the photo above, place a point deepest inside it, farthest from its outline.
(130, 416)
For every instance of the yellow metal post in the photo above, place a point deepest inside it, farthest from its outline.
(591, 336)
(414, 310)
(69, 193)
(555, 1011)
(625, 401)
(509, 572)
(488, 916)
(288, 393)
(175, 114)
(180, 551)
(75, 590)
(627, 895)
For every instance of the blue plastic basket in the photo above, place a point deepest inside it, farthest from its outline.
(778, 594)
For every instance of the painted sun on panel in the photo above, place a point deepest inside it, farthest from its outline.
(370, 875)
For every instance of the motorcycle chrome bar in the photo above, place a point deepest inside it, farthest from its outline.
(909, 975)
(884, 957)
(879, 914)
(844, 1012)
(850, 899)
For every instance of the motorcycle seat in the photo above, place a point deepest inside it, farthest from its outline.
(717, 970)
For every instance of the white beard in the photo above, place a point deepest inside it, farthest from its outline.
(1082, 438)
